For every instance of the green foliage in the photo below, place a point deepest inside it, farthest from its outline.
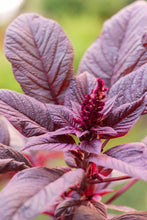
(101, 8)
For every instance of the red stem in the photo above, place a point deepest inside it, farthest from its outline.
(116, 195)
(110, 179)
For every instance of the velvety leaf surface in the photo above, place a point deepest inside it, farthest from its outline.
(4, 133)
(79, 87)
(130, 159)
(131, 87)
(85, 212)
(12, 160)
(26, 114)
(132, 216)
(100, 207)
(51, 142)
(21, 188)
(41, 191)
(125, 116)
(121, 47)
(41, 56)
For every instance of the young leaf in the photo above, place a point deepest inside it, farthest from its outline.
(85, 212)
(79, 87)
(124, 117)
(21, 188)
(64, 207)
(130, 88)
(93, 146)
(130, 159)
(12, 160)
(4, 133)
(121, 47)
(41, 56)
(132, 216)
(51, 142)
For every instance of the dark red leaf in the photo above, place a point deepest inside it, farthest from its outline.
(121, 47)
(124, 117)
(23, 187)
(93, 146)
(51, 142)
(4, 133)
(130, 88)
(79, 87)
(12, 160)
(66, 208)
(85, 212)
(130, 159)
(25, 113)
(41, 56)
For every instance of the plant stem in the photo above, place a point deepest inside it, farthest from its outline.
(110, 179)
(116, 195)
(104, 143)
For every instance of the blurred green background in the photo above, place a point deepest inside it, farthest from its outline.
(82, 21)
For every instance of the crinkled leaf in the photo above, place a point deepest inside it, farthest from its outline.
(61, 116)
(79, 87)
(66, 207)
(12, 160)
(130, 88)
(132, 216)
(93, 146)
(51, 142)
(85, 212)
(41, 56)
(4, 133)
(29, 116)
(100, 207)
(32, 117)
(124, 117)
(121, 47)
(24, 186)
(130, 159)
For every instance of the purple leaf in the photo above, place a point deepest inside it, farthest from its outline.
(79, 87)
(42, 187)
(100, 207)
(130, 159)
(108, 106)
(22, 187)
(51, 142)
(41, 56)
(73, 158)
(25, 113)
(130, 88)
(93, 146)
(85, 212)
(124, 117)
(120, 208)
(121, 47)
(12, 160)
(132, 216)
(66, 206)
(4, 133)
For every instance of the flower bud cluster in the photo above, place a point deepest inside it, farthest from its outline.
(92, 106)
